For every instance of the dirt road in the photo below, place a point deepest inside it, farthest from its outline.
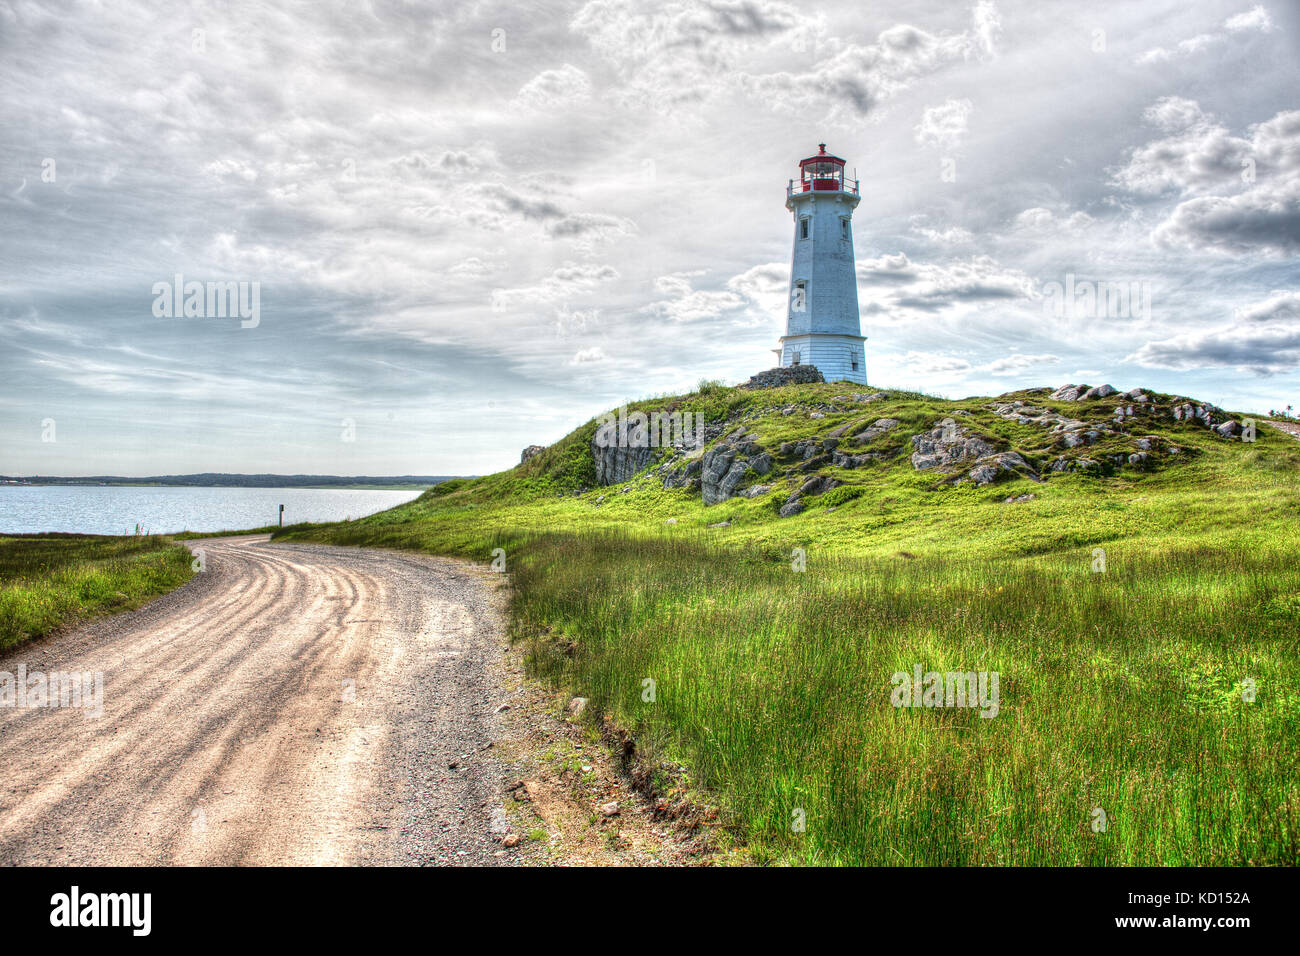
(293, 704)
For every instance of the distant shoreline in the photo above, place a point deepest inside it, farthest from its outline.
(309, 482)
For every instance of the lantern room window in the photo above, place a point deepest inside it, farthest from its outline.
(823, 172)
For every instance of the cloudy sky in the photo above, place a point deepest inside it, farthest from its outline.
(475, 225)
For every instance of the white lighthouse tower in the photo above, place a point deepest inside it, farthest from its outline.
(821, 326)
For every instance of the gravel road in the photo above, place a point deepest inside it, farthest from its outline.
(293, 704)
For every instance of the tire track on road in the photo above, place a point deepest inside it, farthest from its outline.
(292, 704)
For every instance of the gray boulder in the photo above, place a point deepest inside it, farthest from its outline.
(1003, 464)
(877, 428)
(1075, 465)
(816, 485)
(1068, 393)
(947, 446)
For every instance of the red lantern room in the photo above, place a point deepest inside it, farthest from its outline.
(823, 172)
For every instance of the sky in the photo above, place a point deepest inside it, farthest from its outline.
(472, 227)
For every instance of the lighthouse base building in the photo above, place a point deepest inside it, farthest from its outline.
(840, 358)
(822, 327)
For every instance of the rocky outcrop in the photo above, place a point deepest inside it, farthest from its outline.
(1068, 393)
(1082, 393)
(620, 451)
(947, 447)
(685, 477)
(1190, 412)
(1084, 466)
(816, 485)
(787, 375)
(532, 451)
(791, 508)
(1003, 464)
(719, 472)
(843, 456)
(1072, 432)
(721, 475)
(1136, 403)
(625, 445)
(950, 448)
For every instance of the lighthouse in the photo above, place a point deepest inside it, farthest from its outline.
(821, 324)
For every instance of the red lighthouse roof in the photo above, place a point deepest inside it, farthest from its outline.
(822, 173)
(822, 157)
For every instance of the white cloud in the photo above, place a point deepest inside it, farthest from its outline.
(1014, 364)
(856, 79)
(952, 235)
(1263, 220)
(1174, 114)
(1241, 194)
(1256, 19)
(987, 27)
(944, 125)
(572, 280)
(472, 267)
(1279, 307)
(1042, 220)
(681, 52)
(932, 364)
(1200, 154)
(552, 89)
(685, 303)
(1263, 338)
(897, 287)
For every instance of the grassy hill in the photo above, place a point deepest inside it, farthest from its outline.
(1131, 578)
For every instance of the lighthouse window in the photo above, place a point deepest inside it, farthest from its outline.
(844, 227)
(803, 228)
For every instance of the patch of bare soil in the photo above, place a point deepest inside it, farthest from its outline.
(577, 793)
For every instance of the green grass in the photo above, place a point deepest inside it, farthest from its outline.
(49, 581)
(235, 532)
(1121, 690)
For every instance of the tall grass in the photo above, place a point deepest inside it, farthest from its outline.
(1120, 691)
(48, 581)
